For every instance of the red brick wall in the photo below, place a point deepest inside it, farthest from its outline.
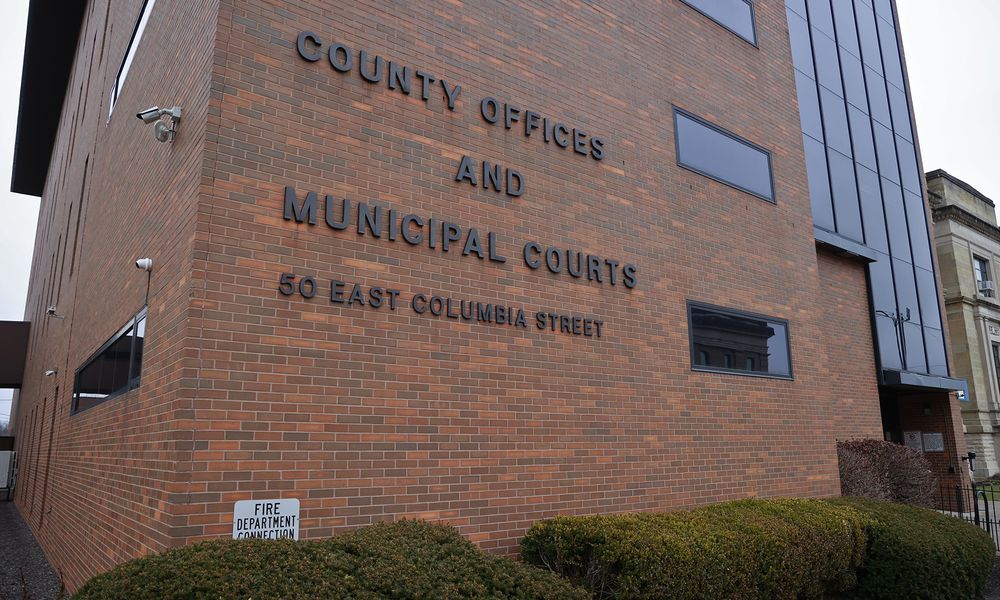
(96, 487)
(938, 413)
(367, 414)
(850, 355)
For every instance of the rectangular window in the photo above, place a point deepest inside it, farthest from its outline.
(714, 152)
(114, 369)
(996, 361)
(133, 44)
(735, 15)
(984, 284)
(740, 342)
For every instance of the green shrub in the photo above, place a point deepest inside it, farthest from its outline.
(918, 553)
(744, 549)
(408, 559)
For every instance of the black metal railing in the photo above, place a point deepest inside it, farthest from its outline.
(977, 503)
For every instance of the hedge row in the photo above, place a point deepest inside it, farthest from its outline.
(746, 549)
(742, 549)
(757, 549)
(918, 553)
(407, 559)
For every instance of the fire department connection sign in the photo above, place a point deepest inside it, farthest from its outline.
(266, 519)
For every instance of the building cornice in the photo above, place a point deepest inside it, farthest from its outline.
(945, 175)
(953, 212)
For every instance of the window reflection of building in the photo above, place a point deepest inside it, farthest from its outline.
(729, 341)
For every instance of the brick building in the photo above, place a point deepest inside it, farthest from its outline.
(475, 263)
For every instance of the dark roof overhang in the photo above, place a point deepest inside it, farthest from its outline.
(49, 51)
(13, 352)
(907, 380)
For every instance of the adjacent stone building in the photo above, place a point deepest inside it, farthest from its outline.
(968, 248)
(482, 263)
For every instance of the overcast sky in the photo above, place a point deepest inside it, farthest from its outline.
(951, 53)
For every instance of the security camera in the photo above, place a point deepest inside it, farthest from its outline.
(161, 131)
(50, 372)
(146, 264)
(150, 114)
(51, 311)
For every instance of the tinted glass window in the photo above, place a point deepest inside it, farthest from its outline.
(720, 155)
(914, 342)
(878, 102)
(871, 209)
(906, 289)
(827, 65)
(847, 35)
(812, 123)
(854, 81)
(734, 15)
(908, 165)
(927, 292)
(871, 54)
(919, 236)
(845, 196)
(798, 33)
(885, 148)
(861, 131)
(835, 122)
(890, 52)
(937, 363)
(113, 369)
(900, 112)
(883, 8)
(884, 302)
(820, 15)
(819, 184)
(799, 6)
(753, 344)
(895, 219)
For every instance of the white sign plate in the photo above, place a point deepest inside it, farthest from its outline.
(267, 519)
(933, 442)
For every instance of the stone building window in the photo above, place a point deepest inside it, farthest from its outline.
(984, 282)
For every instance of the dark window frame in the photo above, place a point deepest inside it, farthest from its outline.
(737, 313)
(133, 382)
(677, 155)
(753, 22)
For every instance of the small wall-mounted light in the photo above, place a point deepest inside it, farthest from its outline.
(50, 372)
(161, 131)
(51, 311)
(971, 457)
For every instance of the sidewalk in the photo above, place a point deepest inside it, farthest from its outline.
(20, 553)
